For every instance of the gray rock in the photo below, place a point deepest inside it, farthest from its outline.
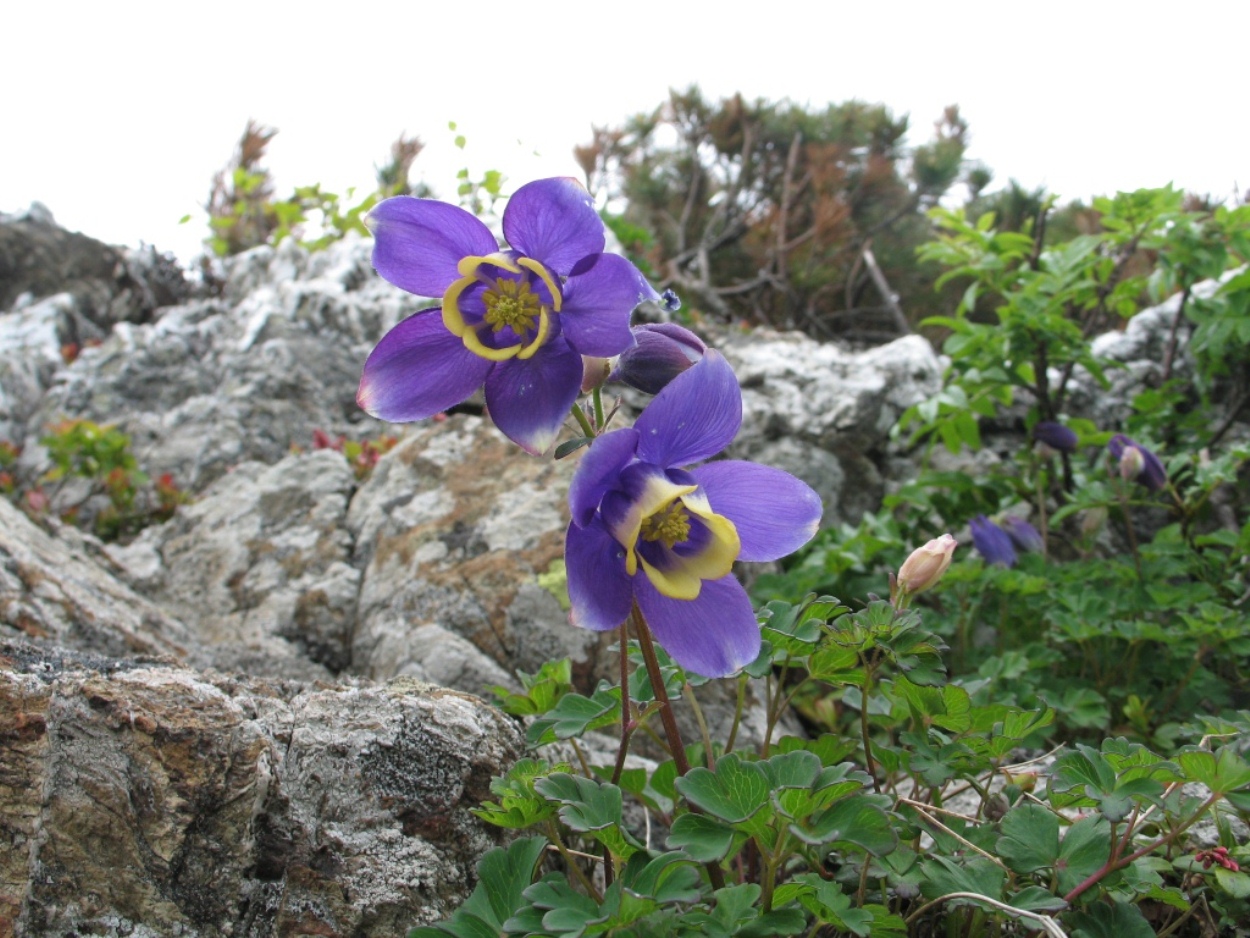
(152, 800)
(53, 590)
(215, 383)
(259, 567)
(452, 530)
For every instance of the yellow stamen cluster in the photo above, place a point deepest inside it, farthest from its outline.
(670, 524)
(511, 303)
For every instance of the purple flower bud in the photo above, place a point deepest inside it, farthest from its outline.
(992, 542)
(1023, 535)
(1056, 436)
(661, 352)
(1135, 462)
(926, 564)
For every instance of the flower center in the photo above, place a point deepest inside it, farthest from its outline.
(512, 303)
(523, 305)
(670, 524)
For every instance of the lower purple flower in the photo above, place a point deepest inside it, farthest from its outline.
(992, 542)
(646, 531)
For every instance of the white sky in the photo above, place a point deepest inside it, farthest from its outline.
(116, 115)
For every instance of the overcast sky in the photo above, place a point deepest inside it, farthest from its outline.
(116, 115)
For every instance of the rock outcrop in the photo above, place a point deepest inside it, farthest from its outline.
(142, 798)
(256, 718)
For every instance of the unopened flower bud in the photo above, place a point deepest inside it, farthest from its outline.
(661, 352)
(1092, 520)
(1056, 436)
(1136, 463)
(595, 372)
(926, 565)
(1131, 463)
(992, 542)
(1024, 537)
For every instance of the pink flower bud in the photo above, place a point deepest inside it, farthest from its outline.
(595, 372)
(926, 565)
(1131, 463)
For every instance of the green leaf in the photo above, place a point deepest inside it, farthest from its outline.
(825, 900)
(668, 878)
(570, 446)
(706, 839)
(1086, 770)
(859, 820)
(1030, 838)
(1037, 899)
(591, 807)
(1235, 884)
(503, 876)
(1084, 850)
(1117, 920)
(1224, 773)
(735, 792)
(944, 876)
(575, 715)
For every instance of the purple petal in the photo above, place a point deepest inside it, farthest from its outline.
(694, 417)
(774, 512)
(714, 635)
(598, 304)
(1024, 537)
(600, 591)
(553, 221)
(661, 352)
(419, 242)
(418, 370)
(598, 471)
(529, 398)
(1056, 436)
(992, 542)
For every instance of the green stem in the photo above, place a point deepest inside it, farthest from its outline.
(738, 708)
(863, 726)
(708, 754)
(597, 397)
(1043, 520)
(627, 730)
(675, 745)
(1128, 527)
(582, 420)
(553, 834)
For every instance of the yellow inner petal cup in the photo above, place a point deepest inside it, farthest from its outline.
(509, 303)
(663, 516)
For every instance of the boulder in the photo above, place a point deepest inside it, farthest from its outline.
(141, 798)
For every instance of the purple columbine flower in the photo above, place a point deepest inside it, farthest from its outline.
(1056, 436)
(992, 542)
(661, 352)
(1151, 473)
(1024, 537)
(645, 530)
(517, 320)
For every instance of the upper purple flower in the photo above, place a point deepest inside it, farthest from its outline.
(517, 320)
(1148, 470)
(992, 542)
(646, 531)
